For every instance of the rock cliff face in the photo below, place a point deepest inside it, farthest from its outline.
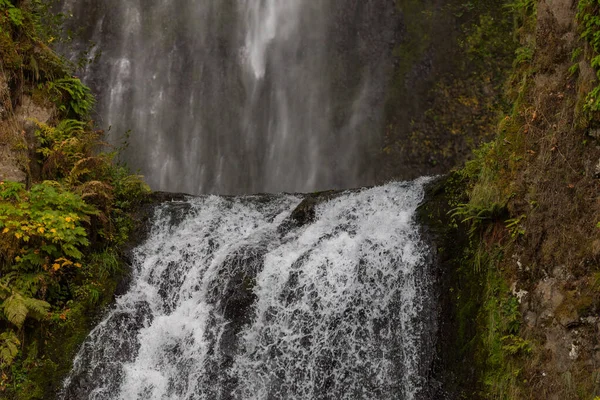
(522, 300)
(18, 117)
(555, 267)
(10, 168)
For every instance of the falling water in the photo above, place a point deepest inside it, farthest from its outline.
(236, 298)
(241, 96)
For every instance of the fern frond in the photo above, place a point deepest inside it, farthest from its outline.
(15, 309)
(38, 309)
(9, 348)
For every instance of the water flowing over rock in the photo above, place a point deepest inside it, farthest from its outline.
(235, 298)
(242, 96)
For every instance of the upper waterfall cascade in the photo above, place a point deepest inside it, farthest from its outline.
(240, 96)
(233, 298)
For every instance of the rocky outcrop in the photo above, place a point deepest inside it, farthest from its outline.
(18, 143)
(555, 265)
(10, 167)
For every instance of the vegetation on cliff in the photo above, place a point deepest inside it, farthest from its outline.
(62, 227)
(526, 205)
(529, 273)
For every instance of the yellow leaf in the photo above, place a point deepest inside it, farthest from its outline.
(41, 230)
(5, 230)
(78, 265)
(56, 267)
(18, 235)
(68, 219)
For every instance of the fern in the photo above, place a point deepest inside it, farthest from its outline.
(475, 215)
(78, 96)
(15, 309)
(9, 347)
(10, 190)
(14, 14)
(37, 309)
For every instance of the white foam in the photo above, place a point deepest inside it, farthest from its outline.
(336, 312)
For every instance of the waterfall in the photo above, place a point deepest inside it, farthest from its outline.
(237, 298)
(243, 297)
(241, 96)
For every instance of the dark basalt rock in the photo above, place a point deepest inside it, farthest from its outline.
(453, 373)
(120, 351)
(305, 211)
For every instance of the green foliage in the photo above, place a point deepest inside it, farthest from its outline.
(573, 69)
(9, 348)
(522, 12)
(10, 190)
(523, 55)
(15, 15)
(67, 150)
(71, 96)
(502, 347)
(42, 235)
(487, 196)
(588, 16)
(25, 32)
(491, 176)
(46, 225)
(476, 214)
(17, 307)
(521, 8)
(484, 43)
(515, 226)
(46, 273)
(60, 234)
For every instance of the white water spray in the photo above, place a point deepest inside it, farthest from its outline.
(232, 299)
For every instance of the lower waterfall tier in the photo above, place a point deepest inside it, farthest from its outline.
(237, 298)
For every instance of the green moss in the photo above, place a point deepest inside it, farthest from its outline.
(501, 349)
(588, 17)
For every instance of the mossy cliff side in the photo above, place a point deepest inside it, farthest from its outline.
(65, 207)
(522, 290)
